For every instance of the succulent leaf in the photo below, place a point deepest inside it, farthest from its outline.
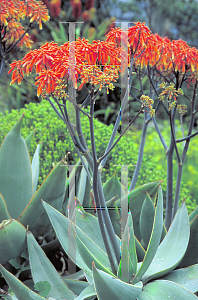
(173, 247)
(52, 191)
(20, 290)
(29, 138)
(15, 172)
(46, 271)
(128, 265)
(136, 198)
(81, 186)
(35, 168)
(60, 224)
(193, 214)
(90, 252)
(164, 289)
(154, 239)
(110, 287)
(187, 277)
(146, 219)
(88, 293)
(191, 256)
(13, 240)
(4, 215)
(112, 188)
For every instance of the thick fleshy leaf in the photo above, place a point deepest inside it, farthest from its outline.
(20, 290)
(52, 191)
(12, 240)
(89, 293)
(154, 239)
(76, 286)
(61, 224)
(125, 267)
(112, 188)
(114, 215)
(172, 249)
(146, 219)
(90, 252)
(15, 172)
(73, 176)
(191, 256)
(4, 215)
(35, 168)
(187, 277)
(128, 266)
(136, 198)
(193, 214)
(46, 271)
(109, 287)
(88, 223)
(164, 289)
(81, 185)
(29, 138)
(139, 250)
(73, 281)
(132, 245)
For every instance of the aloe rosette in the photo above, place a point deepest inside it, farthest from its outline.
(20, 203)
(155, 277)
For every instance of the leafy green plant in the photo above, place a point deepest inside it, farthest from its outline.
(20, 201)
(153, 277)
(56, 143)
(58, 82)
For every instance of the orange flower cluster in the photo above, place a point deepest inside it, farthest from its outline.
(99, 63)
(12, 11)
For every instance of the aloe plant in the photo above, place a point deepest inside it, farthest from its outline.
(20, 203)
(154, 277)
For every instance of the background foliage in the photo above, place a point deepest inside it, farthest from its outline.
(56, 142)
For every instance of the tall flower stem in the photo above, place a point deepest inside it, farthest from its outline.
(180, 167)
(140, 154)
(169, 191)
(99, 208)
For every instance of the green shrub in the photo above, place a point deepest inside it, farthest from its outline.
(56, 141)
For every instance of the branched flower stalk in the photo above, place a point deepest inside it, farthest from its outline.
(167, 65)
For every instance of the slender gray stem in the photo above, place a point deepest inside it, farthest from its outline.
(160, 134)
(180, 167)
(107, 152)
(174, 141)
(108, 222)
(187, 137)
(140, 154)
(182, 128)
(100, 210)
(124, 102)
(169, 190)
(2, 65)
(177, 190)
(55, 109)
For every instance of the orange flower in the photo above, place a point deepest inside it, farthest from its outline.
(100, 62)
(116, 35)
(138, 36)
(12, 11)
(47, 82)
